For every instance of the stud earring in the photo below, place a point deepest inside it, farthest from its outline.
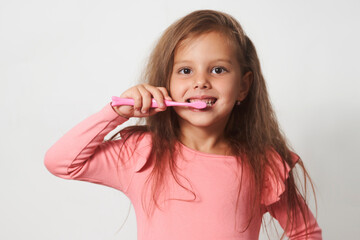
(238, 102)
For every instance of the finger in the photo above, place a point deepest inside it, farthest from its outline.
(165, 93)
(158, 96)
(134, 94)
(154, 111)
(146, 98)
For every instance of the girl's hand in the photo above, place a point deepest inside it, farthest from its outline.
(142, 95)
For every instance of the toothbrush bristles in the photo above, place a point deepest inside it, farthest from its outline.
(200, 105)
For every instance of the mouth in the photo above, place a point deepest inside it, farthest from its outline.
(210, 101)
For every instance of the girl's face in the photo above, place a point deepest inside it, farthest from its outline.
(206, 69)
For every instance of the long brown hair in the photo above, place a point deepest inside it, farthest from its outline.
(251, 130)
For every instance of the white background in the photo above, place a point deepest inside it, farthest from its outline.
(61, 61)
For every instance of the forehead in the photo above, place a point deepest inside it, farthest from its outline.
(210, 42)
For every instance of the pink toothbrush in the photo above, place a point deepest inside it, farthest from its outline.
(117, 101)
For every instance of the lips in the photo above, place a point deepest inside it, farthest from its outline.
(208, 100)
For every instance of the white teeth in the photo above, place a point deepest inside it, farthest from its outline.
(209, 102)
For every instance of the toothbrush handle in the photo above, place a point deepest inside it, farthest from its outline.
(167, 103)
(117, 101)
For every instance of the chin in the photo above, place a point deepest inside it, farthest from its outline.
(200, 122)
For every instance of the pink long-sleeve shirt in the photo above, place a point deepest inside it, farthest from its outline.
(82, 154)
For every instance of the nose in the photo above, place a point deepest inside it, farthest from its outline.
(201, 81)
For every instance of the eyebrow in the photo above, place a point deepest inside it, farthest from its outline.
(223, 60)
(216, 60)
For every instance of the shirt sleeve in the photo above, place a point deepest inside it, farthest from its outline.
(82, 154)
(298, 232)
(274, 201)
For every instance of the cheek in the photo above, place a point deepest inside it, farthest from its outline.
(176, 88)
(230, 92)
(172, 87)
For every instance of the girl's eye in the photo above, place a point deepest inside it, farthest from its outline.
(185, 71)
(218, 70)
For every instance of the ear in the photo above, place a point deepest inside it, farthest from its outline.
(245, 84)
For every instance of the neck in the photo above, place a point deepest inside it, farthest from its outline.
(207, 140)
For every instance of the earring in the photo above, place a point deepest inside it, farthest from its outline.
(238, 102)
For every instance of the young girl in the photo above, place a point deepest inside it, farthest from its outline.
(194, 173)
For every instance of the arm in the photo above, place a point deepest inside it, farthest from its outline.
(82, 154)
(278, 211)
